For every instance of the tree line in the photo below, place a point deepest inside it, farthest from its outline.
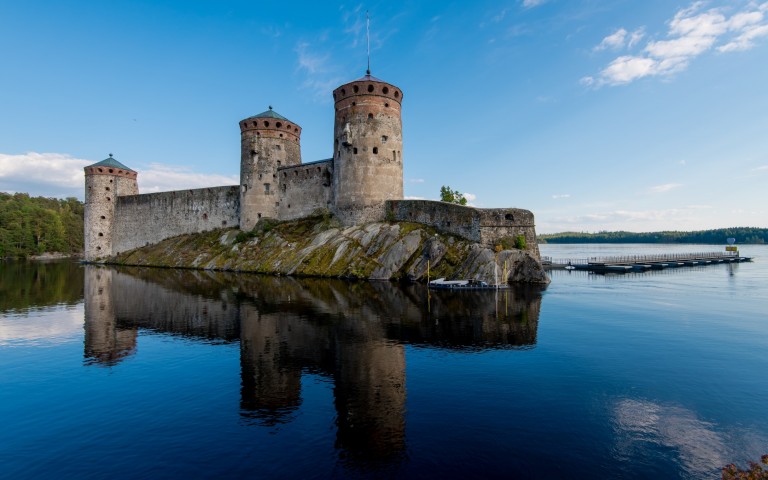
(35, 225)
(743, 235)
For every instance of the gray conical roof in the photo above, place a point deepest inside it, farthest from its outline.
(110, 162)
(269, 114)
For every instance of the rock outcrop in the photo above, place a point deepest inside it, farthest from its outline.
(321, 247)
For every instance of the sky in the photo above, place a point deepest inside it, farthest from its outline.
(638, 115)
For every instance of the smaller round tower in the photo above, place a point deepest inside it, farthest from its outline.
(104, 182)
(268, 141)
(367, 153)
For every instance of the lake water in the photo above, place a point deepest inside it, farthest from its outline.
(152, 373)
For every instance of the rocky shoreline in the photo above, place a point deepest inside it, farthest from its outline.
(320, 247)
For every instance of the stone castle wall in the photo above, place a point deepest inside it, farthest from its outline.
(485, 226)
(142, 220)
(304, 189)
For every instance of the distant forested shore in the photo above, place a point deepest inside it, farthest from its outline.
(32, 226)
(743, 235)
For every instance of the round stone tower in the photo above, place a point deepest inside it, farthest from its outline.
(268, 141)
(104, 182)
(367, 154)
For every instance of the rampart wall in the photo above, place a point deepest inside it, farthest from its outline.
(485, 226)
(304, 189)
(150, 218)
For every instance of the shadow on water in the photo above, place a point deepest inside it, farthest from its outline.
(353, 334)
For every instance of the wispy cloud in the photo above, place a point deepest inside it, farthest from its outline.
(415, 180)
(691, 32)
(762, 169)
(683, 218)
(320, 76)
(665, 187)
(621, 38)
(61, 175)
(411, 197)
(532, 3)
(562, 195)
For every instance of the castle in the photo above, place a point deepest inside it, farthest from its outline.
(361, 183)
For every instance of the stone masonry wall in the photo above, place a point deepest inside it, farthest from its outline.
(304, 189)
(149, 218)
(485, 226)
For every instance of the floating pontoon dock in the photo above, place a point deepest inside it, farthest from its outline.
(635, 263)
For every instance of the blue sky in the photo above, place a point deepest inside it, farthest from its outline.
(594, 114)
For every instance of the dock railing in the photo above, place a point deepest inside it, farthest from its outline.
(636, 259)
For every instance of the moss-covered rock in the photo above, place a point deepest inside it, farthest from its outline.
(319, 247)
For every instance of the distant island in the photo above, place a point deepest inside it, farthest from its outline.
(743, 235)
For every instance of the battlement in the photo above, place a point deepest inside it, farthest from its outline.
(368, 86)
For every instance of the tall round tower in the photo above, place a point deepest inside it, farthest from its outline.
(367, 154)
(104, 182)
(268, 141)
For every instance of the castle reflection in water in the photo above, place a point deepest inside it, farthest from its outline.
(353, 333)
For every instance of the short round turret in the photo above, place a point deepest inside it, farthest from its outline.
(268, 141)
(368, 142)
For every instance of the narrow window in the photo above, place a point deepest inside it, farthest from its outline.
(355, 88)
(375, 150)
(279, 124)
(370, 116)
(258, 215)
(354, 150)
(107, 188)
(266, 188)
(259, 176)
(370, 88)
(386, 105)
(205, 216)
(385, 90)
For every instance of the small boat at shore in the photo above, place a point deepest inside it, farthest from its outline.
(443, 284)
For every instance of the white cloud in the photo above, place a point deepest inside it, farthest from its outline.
(61, 175)
(415, 180)
(410, 197)
(471, 197)
(162, 178)
(563, 195)
(532, 3)
(665, 187)
(613, 41)
(691, 33)
(43, 174)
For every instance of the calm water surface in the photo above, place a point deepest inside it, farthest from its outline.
(149, 373)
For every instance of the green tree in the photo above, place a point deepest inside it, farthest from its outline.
(34, 225)
(452, 196)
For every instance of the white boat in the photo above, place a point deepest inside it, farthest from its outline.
(442, 283)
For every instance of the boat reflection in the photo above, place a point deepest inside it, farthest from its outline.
(354, 334)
